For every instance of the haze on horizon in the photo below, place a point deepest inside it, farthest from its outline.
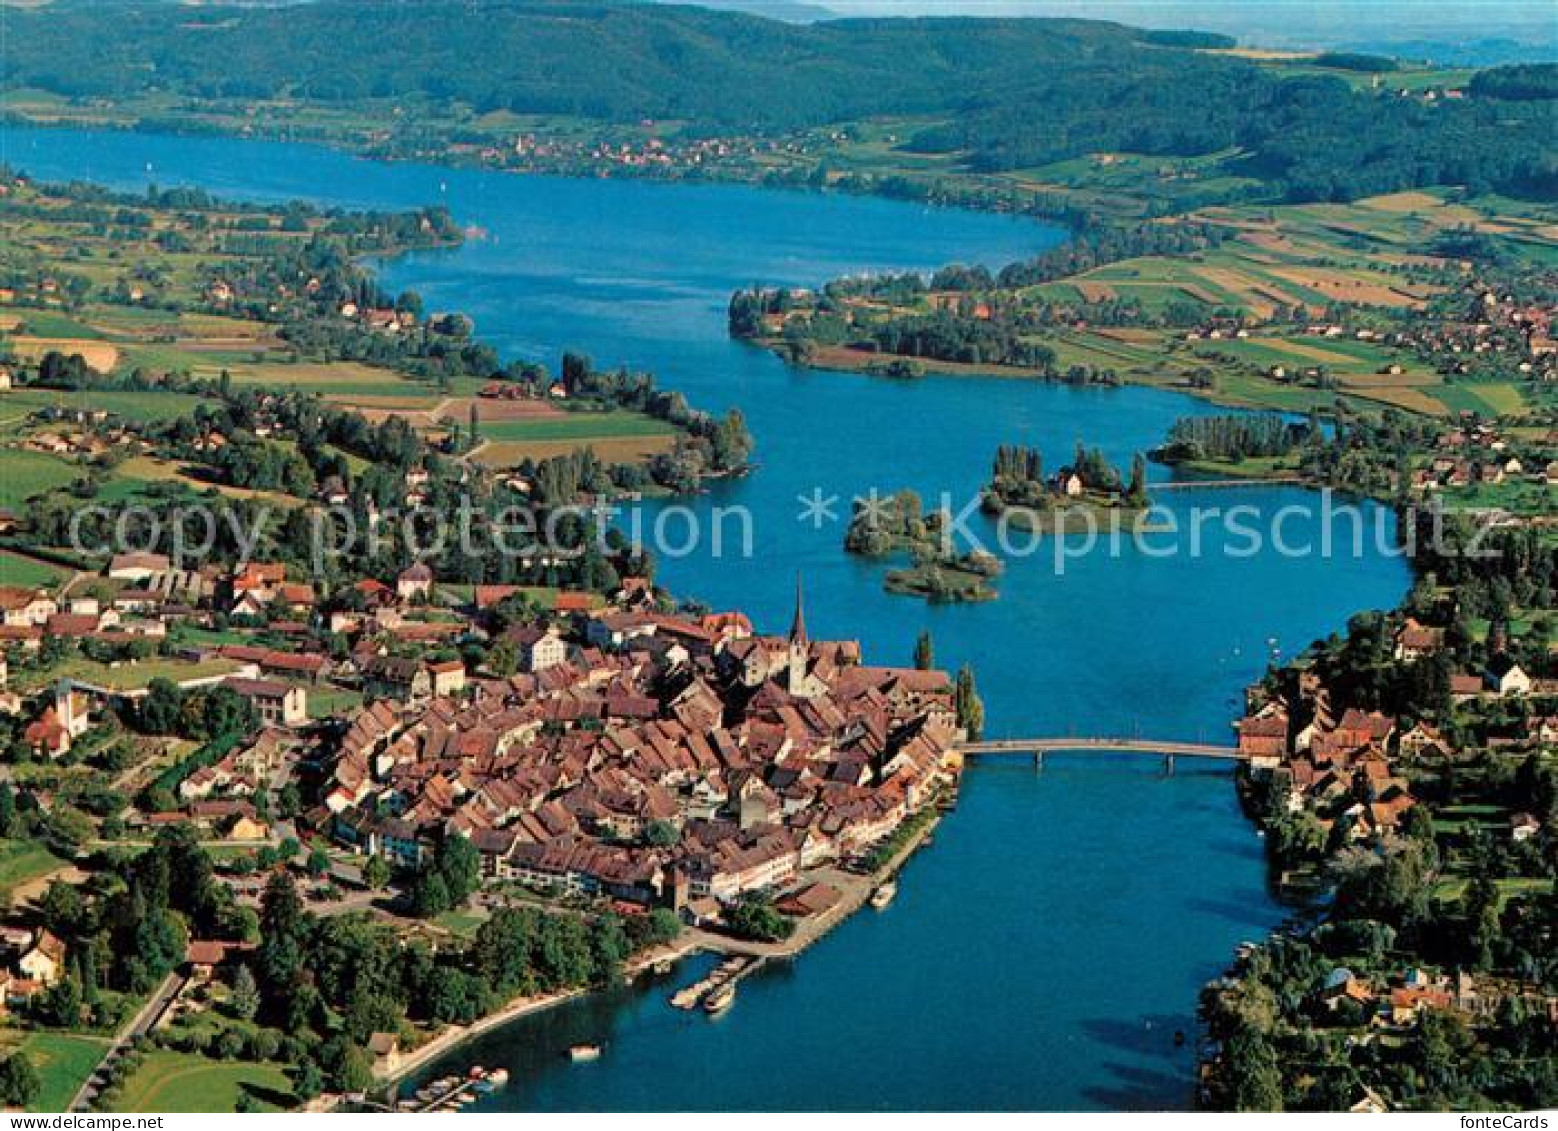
(1266, 22)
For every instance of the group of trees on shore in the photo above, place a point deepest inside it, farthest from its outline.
(317, 987)
(1233, 437)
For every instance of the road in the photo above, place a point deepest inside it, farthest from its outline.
(138, 1026)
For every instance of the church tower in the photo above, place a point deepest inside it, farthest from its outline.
(800, 646)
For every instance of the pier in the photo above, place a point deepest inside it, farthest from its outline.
(727, 973)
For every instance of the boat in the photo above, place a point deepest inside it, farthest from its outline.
(584, 1052)
(498, 1077)
(662, 967)
(883, 895)
(720, 1000)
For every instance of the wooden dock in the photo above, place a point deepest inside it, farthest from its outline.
(727, 973)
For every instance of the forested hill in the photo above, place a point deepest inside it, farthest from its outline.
(1009, 94)
(598, 59)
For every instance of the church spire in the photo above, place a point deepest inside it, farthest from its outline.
(798, 625)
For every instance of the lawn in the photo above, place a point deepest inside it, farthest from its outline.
(18, 569)
(132, 676)
(184, 1082)
(24, 474)
(22, 861)
(63, 1062)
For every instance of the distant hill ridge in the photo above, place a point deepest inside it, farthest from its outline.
(1012, 93)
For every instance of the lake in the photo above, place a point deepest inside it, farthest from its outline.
(1044, 950)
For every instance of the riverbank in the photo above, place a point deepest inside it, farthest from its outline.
(454, 1036)
(855, 893)
(1250, 392)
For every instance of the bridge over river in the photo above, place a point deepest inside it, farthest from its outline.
(1036, 748)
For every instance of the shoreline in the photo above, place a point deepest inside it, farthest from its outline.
(1069, 220)
(693, 941)
(454, 1036)
(843, 359)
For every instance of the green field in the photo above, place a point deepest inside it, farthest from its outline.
(184, 1082)
(1492, 398)
(130, 676)
(576, 426)
(63, 1062)
(24, 474)
(18, 569)
(24, 860)
(48, 324)
(139, 408)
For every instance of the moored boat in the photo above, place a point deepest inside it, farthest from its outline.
(883, 895)
(720, 1000)
(584, 1052)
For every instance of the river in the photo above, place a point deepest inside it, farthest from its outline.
(1044, 950)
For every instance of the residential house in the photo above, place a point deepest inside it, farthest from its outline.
(1506, 678)
(415, 583)
(446, 677)
(396, 677)
(21, 606)
(44, 960)
(278, 704)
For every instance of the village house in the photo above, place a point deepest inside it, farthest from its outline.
(278, 704)
(385, 1050)
(396, 677)
(21, 607)
(446, 677)
(539, 648)
(138, 567)
(1506, 678)
(414, 583)
(44, 960)
(1414, 641)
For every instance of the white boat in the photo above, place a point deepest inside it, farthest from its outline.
(720, 1000)
(584, 1052)
(883, 895)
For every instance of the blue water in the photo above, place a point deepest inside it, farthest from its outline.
(1045, 948)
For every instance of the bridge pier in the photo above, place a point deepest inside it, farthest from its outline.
(1038, 759)
(1168, 765)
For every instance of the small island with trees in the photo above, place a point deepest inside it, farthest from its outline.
(940, 571)
(1020, 493)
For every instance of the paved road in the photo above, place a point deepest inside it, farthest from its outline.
(138, 1026)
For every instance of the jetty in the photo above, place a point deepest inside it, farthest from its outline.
(726, 974)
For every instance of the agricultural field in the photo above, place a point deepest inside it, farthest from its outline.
(135, 407)
(615, 437)
(1248, 320)
(24, 474)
